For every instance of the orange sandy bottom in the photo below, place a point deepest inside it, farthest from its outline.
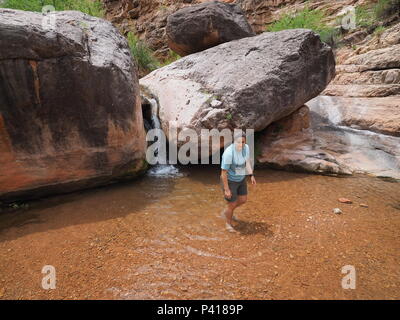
(161, 238)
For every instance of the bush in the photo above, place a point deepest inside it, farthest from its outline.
(368, 15)
(172, 57)
(385, 8)
(306, 19)
(143, 55)
(379, 30)
(364, 16)
(91, 7)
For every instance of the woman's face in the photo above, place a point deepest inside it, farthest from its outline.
(239, 143)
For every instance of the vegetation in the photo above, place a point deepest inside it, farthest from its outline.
(144, 56)
(368, 15)
(172, 57)
(91, 7)
(385, 8)
(306, 19)
(379, 30)
(364, 16)
(141, 52)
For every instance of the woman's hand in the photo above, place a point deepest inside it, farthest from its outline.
(253, 180)
(228, 193)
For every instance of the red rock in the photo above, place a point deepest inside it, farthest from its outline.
(70, 109)
(202, 26)
(345, 200)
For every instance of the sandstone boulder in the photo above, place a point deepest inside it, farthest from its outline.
(247, 83)
(199, 27)
(70, 112)
(290, 143)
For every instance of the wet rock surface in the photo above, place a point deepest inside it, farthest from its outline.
(292, 143)
(70, 113)
(357, 117)
(323, 137)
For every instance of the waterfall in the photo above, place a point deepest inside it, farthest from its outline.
(361, 149)
(160, 170)
(155, 121)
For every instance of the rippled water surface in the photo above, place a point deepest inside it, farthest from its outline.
(160, 237)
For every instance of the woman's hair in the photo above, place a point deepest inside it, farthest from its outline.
(238, 135)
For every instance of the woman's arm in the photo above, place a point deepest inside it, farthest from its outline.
(224, 178)
(250, 171)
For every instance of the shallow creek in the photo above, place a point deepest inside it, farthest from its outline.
(160, 237)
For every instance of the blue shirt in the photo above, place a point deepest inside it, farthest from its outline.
(235, 162)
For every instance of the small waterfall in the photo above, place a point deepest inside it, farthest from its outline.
(155, 121)
(160, 170)
(362, 150)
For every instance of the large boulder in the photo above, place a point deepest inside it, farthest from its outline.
(70, 112)
(247, 83)
(199, 27)
(290, 143)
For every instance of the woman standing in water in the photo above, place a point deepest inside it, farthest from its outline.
(235, 164)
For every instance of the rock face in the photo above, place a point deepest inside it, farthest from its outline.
(378, 115)
(148, 18)
(362, 133)
(70, 112)
(292, 143)
(247, 83)
(320, 138)
(355, 125)
(199, 27)
(362, 105)
(371, 68)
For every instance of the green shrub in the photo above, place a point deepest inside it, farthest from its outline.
(368, 15)
(379, 30)
(91, 7)
(172, 57)
(386, 8)
(306, 19)
(143, 55)
(364, 16)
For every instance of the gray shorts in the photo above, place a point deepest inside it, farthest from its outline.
(237, 189)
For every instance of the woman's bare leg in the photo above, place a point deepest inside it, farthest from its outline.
(241, 200)
(229, 211)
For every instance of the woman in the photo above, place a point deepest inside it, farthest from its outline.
(235, 164)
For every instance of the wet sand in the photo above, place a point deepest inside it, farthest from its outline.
(161, 238)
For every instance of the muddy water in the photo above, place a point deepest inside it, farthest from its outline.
(160, 237)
